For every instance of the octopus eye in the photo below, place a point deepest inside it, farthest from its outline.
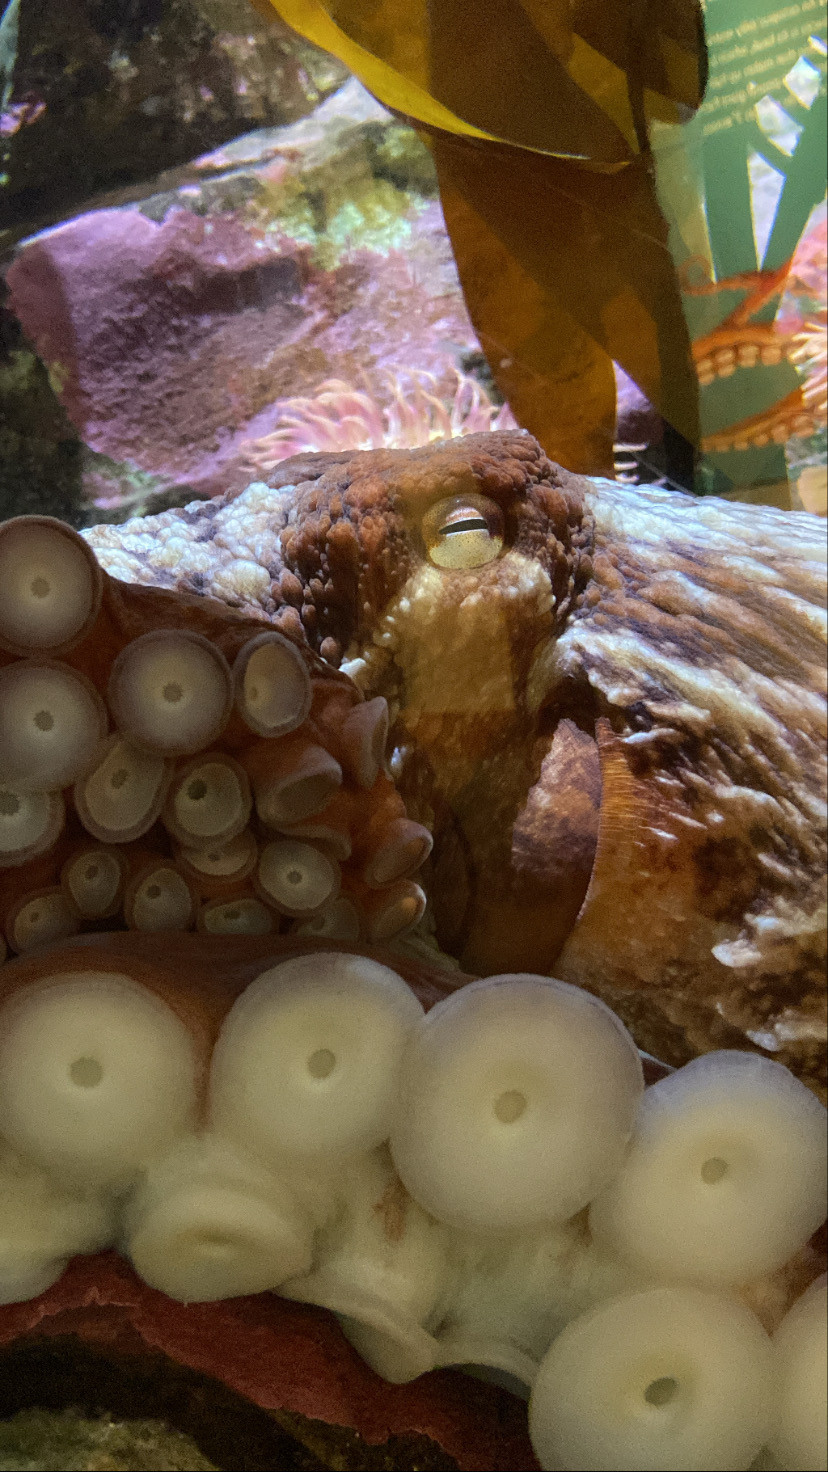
(463, 532)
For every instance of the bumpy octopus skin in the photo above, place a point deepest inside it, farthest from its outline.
(607, 702)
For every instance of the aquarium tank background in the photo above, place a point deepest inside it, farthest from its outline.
(413, 478)
(743, 186)
(682, 324)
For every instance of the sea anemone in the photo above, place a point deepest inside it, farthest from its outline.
(404, 413)
(810, 353)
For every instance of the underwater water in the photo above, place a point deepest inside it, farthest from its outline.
(412, 735)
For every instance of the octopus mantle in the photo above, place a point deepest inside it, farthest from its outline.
(607, 702)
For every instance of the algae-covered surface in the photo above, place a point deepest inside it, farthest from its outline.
(38, 1440)
(64, 1405)
(72, 1407)
(67, 1440)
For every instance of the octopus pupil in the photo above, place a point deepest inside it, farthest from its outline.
(44, 720)
(469, 524)
(40, 587)
(9, 804)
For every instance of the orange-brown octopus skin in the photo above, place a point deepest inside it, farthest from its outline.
(607, 703)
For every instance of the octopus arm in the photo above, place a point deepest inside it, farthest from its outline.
(523, 921)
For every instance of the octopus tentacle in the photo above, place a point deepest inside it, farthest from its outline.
(462, 1171)
(183, 739)
(603, 707)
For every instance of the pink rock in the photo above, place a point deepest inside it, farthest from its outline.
(152, 332)
(636, 421)
(171, 343)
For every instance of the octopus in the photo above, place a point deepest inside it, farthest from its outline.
(607, 706)
(362, 836)
(462, 1172)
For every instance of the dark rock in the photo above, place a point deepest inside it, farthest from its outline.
(41, 455)
(107, 92)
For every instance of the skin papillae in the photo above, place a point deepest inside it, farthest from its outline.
(607, 702)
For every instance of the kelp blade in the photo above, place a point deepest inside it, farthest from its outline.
(538, 115)
(577, 82)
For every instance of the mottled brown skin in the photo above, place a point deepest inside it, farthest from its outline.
(615, 727)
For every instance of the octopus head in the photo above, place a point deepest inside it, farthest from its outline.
(469, 548)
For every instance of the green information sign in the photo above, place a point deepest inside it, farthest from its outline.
(739, 184)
